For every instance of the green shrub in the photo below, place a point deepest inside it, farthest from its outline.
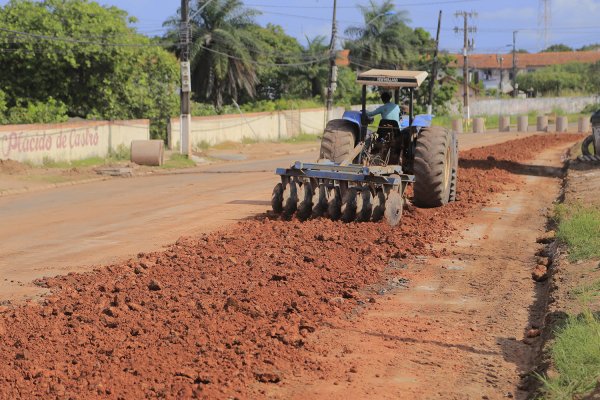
(122, 152)
(37, 112)
(590, 108)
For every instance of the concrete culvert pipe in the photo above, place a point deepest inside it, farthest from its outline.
(584, 125)
(147, 152)
(522, 123)
(504, 123)
(542, 123)
(478, 125)
(457, 125)
(562, 124)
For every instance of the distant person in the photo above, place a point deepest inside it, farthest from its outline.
(388, 110)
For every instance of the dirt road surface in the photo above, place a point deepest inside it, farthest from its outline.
(436, 308)
(457, 329)
(74, 228)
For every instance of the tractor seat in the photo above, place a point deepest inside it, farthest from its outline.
(388, 126)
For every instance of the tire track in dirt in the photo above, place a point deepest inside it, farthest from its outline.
(457, 326)
(212, 315)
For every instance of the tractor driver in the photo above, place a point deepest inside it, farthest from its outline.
(388, 110)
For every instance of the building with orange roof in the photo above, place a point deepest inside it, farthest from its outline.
(495, 70)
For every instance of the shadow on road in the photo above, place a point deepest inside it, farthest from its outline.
(251, 202)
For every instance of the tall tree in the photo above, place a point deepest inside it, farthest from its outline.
(316, 74)
(276, 47)
(384, 40)
(443, 91)
(79, 56)
(223, 50)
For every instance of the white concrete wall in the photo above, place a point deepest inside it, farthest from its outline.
(68, 141)
(524, 106)
(252, 126)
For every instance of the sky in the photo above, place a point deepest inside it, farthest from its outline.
(572, 22)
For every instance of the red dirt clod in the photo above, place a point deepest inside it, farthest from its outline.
(540, 273)
(154, 285)
(531, 333)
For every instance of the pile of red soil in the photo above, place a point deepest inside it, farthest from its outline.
(12, 167)
(223, 314)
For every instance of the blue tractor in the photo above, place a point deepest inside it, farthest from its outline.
(362, 175)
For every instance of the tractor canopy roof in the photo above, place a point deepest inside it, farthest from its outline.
(392, 78)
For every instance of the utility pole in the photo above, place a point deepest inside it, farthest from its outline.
(434, 66)
(186, 85)
(332, 84)
(468, 45)
(514, 65)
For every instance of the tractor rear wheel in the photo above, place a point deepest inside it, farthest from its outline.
(433, 167)
(337, 142)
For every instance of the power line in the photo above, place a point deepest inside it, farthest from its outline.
(299, 64)
(300, 54)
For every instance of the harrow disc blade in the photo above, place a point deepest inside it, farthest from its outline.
(319, 201)
(277, 198)
(349, 205)
(334, 204)
(393, 208)
(290, 199)
(378, 205)
(364, 207)
(305, 205)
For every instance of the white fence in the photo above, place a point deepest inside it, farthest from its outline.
(524, 106)
(252, 126)
(68, 141)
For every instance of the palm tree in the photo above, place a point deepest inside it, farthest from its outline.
(316, 73)
(384, 41)
(222, 64)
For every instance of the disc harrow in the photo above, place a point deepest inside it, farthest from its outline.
(346, 192)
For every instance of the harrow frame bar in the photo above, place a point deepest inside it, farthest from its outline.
(388, 175)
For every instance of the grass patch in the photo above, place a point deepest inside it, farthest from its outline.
(587, 293)
(579, 228)
(576, 355)
(178, 160)
(249, 140)
(302, 138)
(51, 179)
(86, 162)
(203, 145)
(443, 120)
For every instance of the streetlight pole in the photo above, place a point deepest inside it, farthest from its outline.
(332, 67)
